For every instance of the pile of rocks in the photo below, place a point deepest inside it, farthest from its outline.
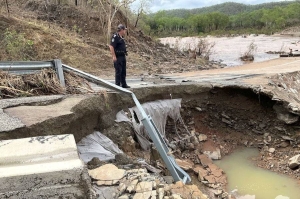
(112, 182)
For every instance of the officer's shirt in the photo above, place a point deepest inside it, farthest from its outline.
(118, 43)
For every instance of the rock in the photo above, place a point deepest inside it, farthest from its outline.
(132, 185)
(198, 109)
(154, 155)
(122, 159)
(128, 145)
(284, 115)
(107, 172)
(294, 162)
(269, 139)
(121, 188)
(271, 150)
(123, 197)
(205, 160)
(194, 140)
(202, 173)
(217, 192)
(106, 192)
(214, 155)
(153, 194)
(209, 148)
(185, 165)
(94, 163)
(287, 138)
(190, 146)
(215, 170)
(176, 196)
(284, 144)
(211, 179)
(143, 195)
(143, 187)
(106, 182)
(186, 191)
(161, 193)
(226, 121)
(225, 116)
(202, 137)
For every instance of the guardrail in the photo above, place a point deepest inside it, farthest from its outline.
(177, 173)
(32, 66)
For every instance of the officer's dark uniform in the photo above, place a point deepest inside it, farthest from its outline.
(119, 45)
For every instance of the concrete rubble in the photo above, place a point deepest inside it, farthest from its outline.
(139, 184)
(45, 166)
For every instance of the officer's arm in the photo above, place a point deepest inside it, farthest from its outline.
(112, 51)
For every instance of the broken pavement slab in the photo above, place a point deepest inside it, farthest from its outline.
(8, 122)
(45, 166)
(30, 115)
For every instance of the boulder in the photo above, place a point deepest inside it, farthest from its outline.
(185, 165)
(107, 172)
(294, 162)
(202, 137)
(205, 160)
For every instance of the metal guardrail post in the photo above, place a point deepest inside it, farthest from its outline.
(59, 71)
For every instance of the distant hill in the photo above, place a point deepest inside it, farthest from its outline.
(228, 8)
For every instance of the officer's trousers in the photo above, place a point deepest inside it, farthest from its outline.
(120, 69)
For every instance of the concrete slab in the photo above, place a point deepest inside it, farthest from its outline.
(9, 123)
(30, 115)
(41, 167)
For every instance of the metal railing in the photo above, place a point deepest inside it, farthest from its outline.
(177, 173)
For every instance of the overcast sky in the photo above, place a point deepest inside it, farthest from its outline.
(188, 4)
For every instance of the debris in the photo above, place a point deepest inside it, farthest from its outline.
(107, 172)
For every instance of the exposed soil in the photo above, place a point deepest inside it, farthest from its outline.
(230, 118)
(74, 35)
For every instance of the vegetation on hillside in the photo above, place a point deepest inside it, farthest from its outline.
(228, 8)
(245, 19)
(76, 32)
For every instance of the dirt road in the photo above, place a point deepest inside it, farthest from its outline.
(249, 74)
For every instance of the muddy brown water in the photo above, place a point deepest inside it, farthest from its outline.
(250, 182)
(228, 50)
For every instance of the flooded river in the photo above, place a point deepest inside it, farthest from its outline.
(229, 49)
(247, 181)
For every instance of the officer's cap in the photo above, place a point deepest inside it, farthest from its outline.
(121, 27)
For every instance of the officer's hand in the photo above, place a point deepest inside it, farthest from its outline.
(114, 59)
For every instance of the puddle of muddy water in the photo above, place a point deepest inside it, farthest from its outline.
(251, 182)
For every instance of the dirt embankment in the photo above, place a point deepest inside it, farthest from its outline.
(74, 35)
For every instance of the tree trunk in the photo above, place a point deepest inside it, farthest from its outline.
(7, 7)
(137, 20)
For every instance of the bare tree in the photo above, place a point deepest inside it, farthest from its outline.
(109, 8)
(142, 8)
(249, 54)
(205, 48)
(7, 7)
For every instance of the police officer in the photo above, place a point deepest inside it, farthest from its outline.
(118, 51)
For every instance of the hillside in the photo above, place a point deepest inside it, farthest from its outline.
(74, 34)
(228, 8)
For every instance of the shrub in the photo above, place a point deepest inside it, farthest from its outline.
(16, 46)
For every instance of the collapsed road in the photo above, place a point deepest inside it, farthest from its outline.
(255, 105)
